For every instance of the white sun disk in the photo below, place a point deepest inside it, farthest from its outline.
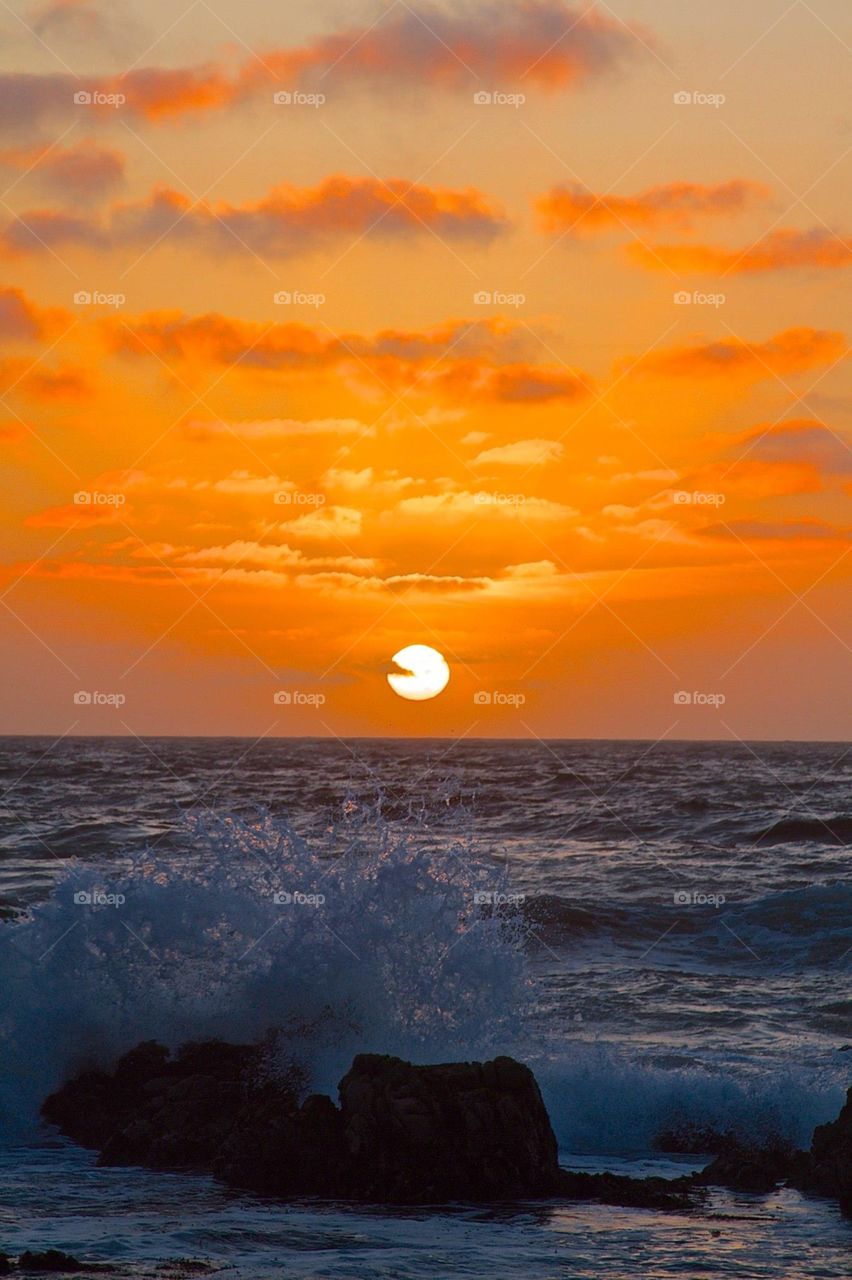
(424, 673)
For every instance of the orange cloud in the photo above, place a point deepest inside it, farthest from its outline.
(546, 44)
(64, 383)
(286, 221)
(793, 351)
(58, 384)
(779, 251)
(72, 516)
(571, 208)
(458, 359)
(780, 531)
(536, 384)
(802, 441)
(79, 173)
(522, 453)
(21, 320)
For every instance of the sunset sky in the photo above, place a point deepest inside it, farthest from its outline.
(309, 353)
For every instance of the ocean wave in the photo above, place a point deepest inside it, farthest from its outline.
(835, 830)
(811, 924)
(600, 1102)
(372, 937)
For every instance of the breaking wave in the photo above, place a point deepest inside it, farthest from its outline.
(375, 935)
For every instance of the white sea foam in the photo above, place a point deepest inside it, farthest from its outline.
(368, 938)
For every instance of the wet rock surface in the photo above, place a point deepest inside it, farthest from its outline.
(412, 1134)
(34, 1262)
(405, 1134)
(824, 1170)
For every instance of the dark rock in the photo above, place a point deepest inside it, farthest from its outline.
(465, 1130)
(694, 1140)
(676, 1194)
(167, 1112)
(828, 1171)
(287, 1150)
(752, 1168)
(50, 1260)
(402, 1133)
(5, 1264)
(825, 1170)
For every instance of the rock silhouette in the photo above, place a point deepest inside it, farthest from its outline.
(402, 1133)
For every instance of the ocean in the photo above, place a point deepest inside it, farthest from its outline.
(663, 932)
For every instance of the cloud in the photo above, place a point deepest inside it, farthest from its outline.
(288, 220)
(242, 483)
(484, 503)
(32, 102)
(779, 251)
(81, 21)
(572, 208)
(271, 556)
(536, 384)
(408, 583)
(73, 516)
(804, 441)
(522, 453)
(20, 319)
(80, 173)
(793, 351)
(545, 44)
(780, 531)
(56, 16)
(223, 339)
(38, 383)
(459, 360)
(367, 480)
(279, 428)
(328, 523)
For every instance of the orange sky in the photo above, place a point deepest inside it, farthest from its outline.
(309, 353)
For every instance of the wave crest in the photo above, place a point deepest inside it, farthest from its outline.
(368, 936)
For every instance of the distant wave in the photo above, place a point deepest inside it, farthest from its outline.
(835, 831)
(808, 925)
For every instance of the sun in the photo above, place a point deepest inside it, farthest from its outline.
(424, 673)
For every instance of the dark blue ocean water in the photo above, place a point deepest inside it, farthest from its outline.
(663, 931)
